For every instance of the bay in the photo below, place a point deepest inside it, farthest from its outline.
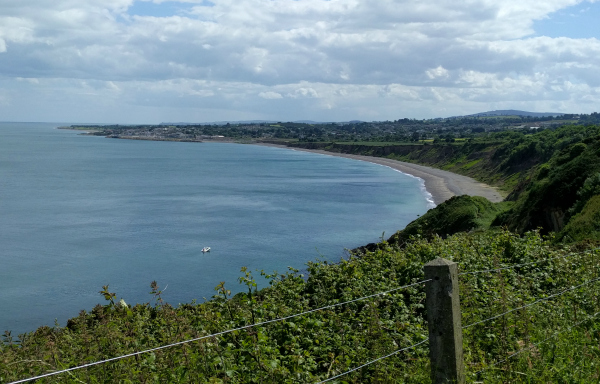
(79, 212)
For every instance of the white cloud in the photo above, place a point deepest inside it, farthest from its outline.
(270, 95)
(315, 55)
(303, 92)
(29, 80)
(112, 86)
(437, 72)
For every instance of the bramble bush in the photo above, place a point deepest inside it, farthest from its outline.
(323, 344)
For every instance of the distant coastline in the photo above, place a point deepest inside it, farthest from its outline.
(155, 139)
(92, 131)
(442, 185)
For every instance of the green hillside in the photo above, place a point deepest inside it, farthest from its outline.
(458, 214)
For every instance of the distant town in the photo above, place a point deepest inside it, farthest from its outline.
(447, 130)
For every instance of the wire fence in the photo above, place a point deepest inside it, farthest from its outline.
(221, 333)
(531, 304)
(540, 300)
(422, 282)
(569, 255)
(538, 343)
(373, 361)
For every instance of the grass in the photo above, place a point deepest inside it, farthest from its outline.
(458, 214)
(586, 224)
(471, 164)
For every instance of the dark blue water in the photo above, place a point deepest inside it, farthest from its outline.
(78, 212)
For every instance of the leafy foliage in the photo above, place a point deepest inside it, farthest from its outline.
(590, 188)
(585, 225)
(322, 344)
(458, 214)
(545, 200)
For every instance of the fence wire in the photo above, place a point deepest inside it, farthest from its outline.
(530, 263)
(374, 361)
(216, 334)
(352, 301)
(538, 343)
(533, 303)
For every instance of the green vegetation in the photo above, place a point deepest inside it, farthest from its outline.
(584, 226)
(458, 214)
(322, 344)
(552, 214)
(544, 199)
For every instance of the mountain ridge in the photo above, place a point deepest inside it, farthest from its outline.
(513, 112)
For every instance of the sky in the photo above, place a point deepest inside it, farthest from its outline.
(153, 61)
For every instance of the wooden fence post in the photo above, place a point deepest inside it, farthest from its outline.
(443, 315)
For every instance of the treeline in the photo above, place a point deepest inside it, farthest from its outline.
(397, 131)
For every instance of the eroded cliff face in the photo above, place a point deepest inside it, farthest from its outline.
(555, 219)
(426, 154)
(531, 216)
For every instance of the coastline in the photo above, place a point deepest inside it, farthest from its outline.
(440, 184)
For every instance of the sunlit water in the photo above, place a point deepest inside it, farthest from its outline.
(78, 212)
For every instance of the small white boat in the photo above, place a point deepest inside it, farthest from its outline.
(205, 249)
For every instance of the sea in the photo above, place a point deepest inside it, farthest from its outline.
(78, 212)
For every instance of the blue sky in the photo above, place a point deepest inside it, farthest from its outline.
(165, 9)
(133, 61)
(580, 21)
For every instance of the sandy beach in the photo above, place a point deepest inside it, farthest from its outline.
(442, 185)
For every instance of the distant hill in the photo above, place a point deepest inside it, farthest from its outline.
(514, 112)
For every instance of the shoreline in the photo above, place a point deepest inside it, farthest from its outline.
(440, 184)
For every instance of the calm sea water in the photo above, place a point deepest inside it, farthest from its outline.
(79, 212)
